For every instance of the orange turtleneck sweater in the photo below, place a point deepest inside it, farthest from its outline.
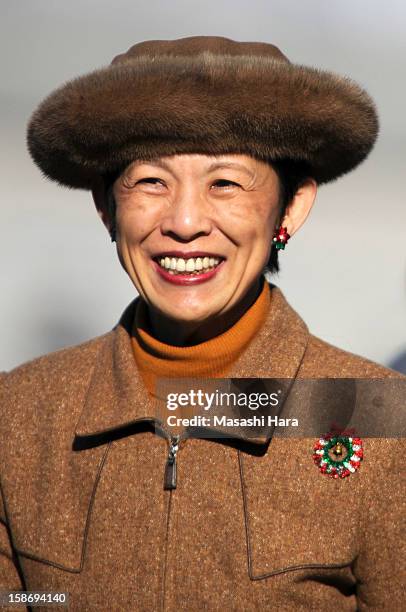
(210, 359)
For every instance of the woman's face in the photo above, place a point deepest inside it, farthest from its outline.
(194, 231)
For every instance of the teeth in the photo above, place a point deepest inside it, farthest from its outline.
(176, 265)
(180, 265)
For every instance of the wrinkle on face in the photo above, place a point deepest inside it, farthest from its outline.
(181, 203)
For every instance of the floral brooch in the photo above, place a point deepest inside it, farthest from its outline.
(338, 456)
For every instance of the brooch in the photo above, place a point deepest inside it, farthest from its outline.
(338, 456)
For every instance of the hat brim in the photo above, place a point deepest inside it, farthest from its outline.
(208, 103)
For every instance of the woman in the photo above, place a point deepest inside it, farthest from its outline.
(203, 155)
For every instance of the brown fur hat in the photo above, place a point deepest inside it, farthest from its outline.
(201, 94)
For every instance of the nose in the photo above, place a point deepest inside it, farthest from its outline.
(187, 215)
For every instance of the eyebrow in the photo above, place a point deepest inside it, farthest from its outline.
(236, 165)
(214, 166)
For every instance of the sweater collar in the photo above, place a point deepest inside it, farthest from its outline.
(210, 359)
(117, 397)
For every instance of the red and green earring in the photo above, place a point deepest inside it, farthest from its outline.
(280, 237)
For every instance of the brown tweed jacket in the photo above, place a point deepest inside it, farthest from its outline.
(83, 508)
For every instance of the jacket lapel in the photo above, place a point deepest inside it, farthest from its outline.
(117, 397)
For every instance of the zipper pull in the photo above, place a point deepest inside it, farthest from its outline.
(170, 469)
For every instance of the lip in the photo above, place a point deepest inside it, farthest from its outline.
(186, 279)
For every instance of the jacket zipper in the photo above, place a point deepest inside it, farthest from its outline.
(170, 477)
(170, 474)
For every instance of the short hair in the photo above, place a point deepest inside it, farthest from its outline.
(291, 175)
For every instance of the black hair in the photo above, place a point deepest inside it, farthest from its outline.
(291, 175)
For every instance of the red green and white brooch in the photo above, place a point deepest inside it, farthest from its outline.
(338, 456)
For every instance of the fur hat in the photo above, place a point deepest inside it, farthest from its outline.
(201, 94)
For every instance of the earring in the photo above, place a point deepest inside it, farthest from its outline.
(280, 237)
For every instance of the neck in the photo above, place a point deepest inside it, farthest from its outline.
(188, 333)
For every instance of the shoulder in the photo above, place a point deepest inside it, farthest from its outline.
(47, 387)
(55, 365)
(64, 365)
(322, 359)
(370, 395)
(319, 359)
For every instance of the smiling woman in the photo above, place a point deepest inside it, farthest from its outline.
(203, 156)
(195, 236)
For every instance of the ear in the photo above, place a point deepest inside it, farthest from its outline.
(99, 199)
(300, 206)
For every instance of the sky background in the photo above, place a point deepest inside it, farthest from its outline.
(344, 272)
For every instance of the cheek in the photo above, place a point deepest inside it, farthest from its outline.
(252, 224)
(136, 222)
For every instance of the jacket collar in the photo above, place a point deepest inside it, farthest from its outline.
(117, 397)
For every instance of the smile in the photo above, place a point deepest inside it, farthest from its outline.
(192, 265)
(187, 270)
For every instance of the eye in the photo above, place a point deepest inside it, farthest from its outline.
(131, 183)
(151, 179)
(225, 183)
